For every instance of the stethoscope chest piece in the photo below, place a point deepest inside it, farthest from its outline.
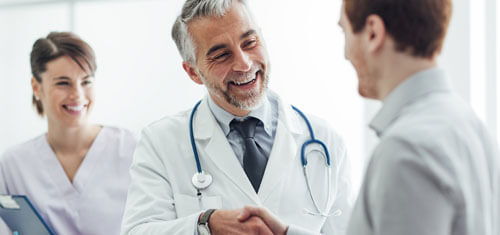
(201, 180)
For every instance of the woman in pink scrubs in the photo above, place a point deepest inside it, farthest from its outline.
(76, 174)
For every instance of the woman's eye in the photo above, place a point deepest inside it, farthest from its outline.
(86, 82)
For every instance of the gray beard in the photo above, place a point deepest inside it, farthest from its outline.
(252, 102)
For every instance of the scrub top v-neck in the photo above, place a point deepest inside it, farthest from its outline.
(83, 173)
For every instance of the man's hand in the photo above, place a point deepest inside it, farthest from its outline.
(251, 212)
(224, 222)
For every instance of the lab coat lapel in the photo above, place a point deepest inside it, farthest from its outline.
(284, 151)
(219, 151)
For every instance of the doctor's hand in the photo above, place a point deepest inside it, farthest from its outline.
(276, 226)
(225, 222)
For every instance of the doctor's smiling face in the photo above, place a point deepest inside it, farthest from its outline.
(66, 92)
(231, 59)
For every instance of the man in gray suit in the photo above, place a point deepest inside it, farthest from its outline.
(436, 170)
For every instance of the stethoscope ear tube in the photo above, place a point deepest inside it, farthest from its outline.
(309, 142)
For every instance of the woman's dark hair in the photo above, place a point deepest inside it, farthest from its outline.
(55, 45)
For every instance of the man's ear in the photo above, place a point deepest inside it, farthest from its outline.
(192, 72)
(376, 33)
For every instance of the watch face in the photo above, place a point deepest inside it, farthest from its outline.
(203, 229)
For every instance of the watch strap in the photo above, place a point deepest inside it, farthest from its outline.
(206, 216)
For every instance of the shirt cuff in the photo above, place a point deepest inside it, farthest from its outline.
(196, 224)
(296, 230)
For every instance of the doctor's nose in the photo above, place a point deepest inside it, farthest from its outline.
(242, 62)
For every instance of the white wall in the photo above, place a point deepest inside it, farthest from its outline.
(19, 28)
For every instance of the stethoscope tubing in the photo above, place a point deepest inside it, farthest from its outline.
(311, 141)
(303, 149)
(191, 136)
(303, 158)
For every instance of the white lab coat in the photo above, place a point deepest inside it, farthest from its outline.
(162, 199)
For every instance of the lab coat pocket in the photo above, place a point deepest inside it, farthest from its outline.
(186, 204)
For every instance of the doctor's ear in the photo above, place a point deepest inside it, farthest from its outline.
(192, 72)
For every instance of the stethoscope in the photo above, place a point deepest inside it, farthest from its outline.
(202, 179)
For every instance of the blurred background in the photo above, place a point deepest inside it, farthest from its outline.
(140, 79)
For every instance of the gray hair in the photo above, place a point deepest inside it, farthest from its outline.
(191, 10)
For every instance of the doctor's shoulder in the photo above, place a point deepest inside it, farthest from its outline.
(168, 127)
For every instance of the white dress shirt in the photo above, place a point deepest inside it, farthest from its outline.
(265, 131)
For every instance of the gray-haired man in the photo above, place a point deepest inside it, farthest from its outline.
(248, 140)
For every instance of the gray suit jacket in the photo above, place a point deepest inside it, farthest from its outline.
(436, 170)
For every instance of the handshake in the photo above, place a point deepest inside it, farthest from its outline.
(248, 220)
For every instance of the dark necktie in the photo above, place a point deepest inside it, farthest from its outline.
(254, 160)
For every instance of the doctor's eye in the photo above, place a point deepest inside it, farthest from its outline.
(221, 57)
(250, 44)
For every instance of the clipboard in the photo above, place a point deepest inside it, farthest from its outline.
(21, 217)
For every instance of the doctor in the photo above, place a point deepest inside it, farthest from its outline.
(248, 140)
(436, 169)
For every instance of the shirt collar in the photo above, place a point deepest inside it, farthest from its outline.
(224, 118)
(419, 84)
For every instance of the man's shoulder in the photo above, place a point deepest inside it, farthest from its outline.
(425, 139)
(431, 123)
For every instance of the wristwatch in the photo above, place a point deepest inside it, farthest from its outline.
(203, 228)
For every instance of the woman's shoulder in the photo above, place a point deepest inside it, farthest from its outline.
(120, 133)
(122, 139)
(25, 150)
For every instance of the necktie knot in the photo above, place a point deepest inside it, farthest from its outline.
(246, 128)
